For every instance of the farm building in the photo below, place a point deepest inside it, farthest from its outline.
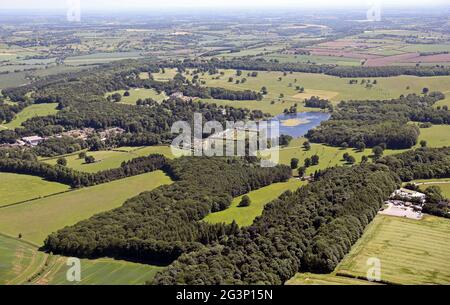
(407, 194)
(33, 140)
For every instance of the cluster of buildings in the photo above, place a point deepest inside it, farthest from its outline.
(405, 203)
(83, 134)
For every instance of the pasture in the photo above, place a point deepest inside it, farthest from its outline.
(410, 251)
(23, 263)
(444, 185)
(244, 216)
(107, 159)
(35, 220)
(32, 111)
(17, 188)
(334, 88)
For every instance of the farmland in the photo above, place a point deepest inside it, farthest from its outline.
(325, 279)
(411, 251)
(30, 112)
(36, 219)
(22, 263)
(17, 188)
(244, 216)
(108, 159)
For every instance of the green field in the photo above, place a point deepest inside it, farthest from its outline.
(244, 216)
(22, 263)
(436, 136)
(108, 159)
(334, 88)
(141, 93)
(444, 184)
(17, 188)
(35, 220)
(325, 279)
(410, 251)
(30, 112)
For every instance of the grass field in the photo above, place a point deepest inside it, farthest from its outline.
(112, 158)
(141, 93)
(389, 87)
(17, 188)
(35, 220)
(444, 184)
(22, 263)
(325, 279)
(410, 251)
(244, 216)
(30, 112)
(436, 136)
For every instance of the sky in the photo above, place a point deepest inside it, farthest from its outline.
(169, 4)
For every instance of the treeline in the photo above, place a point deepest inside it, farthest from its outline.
(77, 179)
(261, 64)
(9, 112)
(233, 95)
(383, 123)
(308, 230)
(160, 225)
(421, 163)
(59, 146)
(316, 102)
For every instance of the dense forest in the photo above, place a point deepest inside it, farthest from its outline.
(162, 224)
(308, 230)
(382, 123)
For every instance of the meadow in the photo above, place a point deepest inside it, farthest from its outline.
(17, 188)
(29, 112)
(410, 251)
(443, 184)
(23, 263)
(244, 216)
(334, 88)
(35, 220)
(107, 159)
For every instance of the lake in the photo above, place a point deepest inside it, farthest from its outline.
(298, 124)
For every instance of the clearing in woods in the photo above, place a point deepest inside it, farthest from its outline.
(31, 111)
(244, 216)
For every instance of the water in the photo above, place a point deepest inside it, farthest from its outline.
(309, 120)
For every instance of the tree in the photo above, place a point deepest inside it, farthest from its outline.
(245, 201)
(294, 163)
(89, 159)
(62, 161)
(82, 155)
(301, 171)
(307, 162)
(307, 145)
(315, 160)
(360, 146)
(351, 160)
(364, 159)
(116, 97)
(434, 194)
(264, 90)
(423, 143)
(344, 145)
(126, 93)
(378, 151)
(425, 90)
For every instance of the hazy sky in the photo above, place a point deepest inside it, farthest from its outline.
(132, 4)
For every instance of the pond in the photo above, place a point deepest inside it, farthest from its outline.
(298, 124)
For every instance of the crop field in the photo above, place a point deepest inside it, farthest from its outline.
(30, 112)
(334, 88)
(107, 159)
(244, 216)
(410, 251)
(35, 220)
(17, 188)
(325, 279)
(99, 58)
(22, 263)
(141, 93)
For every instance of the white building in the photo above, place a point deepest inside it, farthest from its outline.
(409, 195)
(33, 140)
